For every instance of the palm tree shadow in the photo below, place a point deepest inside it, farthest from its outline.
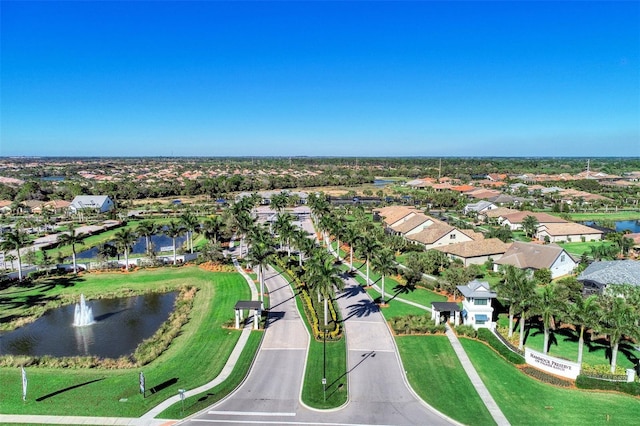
(351, 291)
(362, 309)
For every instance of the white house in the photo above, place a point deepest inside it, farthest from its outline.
(569, 232)
(479, 207)
(441, 234)
(477, 309)
(100, 203)
(533, 256)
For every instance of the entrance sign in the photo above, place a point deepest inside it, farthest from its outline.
(557, 366)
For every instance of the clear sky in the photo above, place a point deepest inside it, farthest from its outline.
(499, 78)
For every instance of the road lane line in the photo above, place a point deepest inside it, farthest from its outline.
(252, 413)
(262, 422)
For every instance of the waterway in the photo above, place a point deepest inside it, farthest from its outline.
(159, 242)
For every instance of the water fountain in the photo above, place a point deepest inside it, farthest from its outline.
(83, 314)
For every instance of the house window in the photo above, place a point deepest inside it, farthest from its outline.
(480, 322)
(452, 236)
(480, 302)
(562, 258)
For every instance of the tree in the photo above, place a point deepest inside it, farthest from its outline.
(350, 236)
(173, 231)
(618, 319)
(125, 238)
(285, 229)
(323, 275)
(190, 222)
(384, 263)
(212, 227)
(279, 201)
(146, 229)
(548, 305)
(259, 255)
(584, 314)
(71, 239)
(15, 240)
(542, 276)
(513, 288)
(530, 225)
(367, 246)
(107, 251)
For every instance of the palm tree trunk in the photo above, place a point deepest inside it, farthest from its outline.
(545, 349)
(261, 280)
(326, 312)
(510, 322)
(19, 265)
(522, 321)
(338, 248)
(174, 250)
(73, 256)
(614, 356)
(367, 272)
(382, 298)
(580, 345)
(126, 260)
(147, 240)
(350, 257)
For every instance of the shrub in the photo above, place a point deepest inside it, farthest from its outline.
(584, 382)
(486, 335)
(415, 324)
(466, 330)
(547, 378)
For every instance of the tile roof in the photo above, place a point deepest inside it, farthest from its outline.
(467, 249)
(568, 228)
(519, 216)
(500, 211)
(393, 214)
(530, 255)
(613, 272)
(431, 234)
(412, 223)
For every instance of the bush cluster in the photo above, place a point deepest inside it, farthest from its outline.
(415, 324)
(486, 335)
(603, 371)
(466, 330)
(584, 382)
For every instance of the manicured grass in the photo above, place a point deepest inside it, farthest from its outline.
(199, 402)
(396, 308)
(194, 358)
(611, 215)
(434, 372)
(564, 346)
(527, 401)
(578, 248)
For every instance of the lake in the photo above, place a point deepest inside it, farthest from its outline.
(624, 225)
(159, 241)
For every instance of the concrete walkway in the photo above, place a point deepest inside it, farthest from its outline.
(148, 419)
(469, 369)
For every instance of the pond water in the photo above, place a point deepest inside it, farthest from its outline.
(624, 225)
(159, 242)
(120, 326)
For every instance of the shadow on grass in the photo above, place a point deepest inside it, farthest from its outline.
(163, 385)
(58, 392)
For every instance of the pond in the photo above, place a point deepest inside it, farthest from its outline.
(160, 242)
(120, 325)
(623, 225)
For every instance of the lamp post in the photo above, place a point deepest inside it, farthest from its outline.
(324, 364)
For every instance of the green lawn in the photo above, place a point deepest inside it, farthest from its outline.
(526, 401)
(578, 248)
(436, 375)
(611, 215)
(194, 358)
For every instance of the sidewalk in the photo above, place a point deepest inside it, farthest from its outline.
(148, 419)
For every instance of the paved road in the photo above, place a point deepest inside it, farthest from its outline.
(378, 392)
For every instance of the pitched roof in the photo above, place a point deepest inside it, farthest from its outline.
(431, 234)
(477, 248)
(569, 228)
(519, 216)
(530, 255)
(89, 201)
(613, 272)
(480, 205)
(393, 214)
(411, 223)
(477, 288)
(500, 211)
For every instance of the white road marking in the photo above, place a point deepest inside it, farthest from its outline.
(262, 422)
(252, 413)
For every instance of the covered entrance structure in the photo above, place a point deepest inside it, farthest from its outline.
(442, 312)
(248, 305)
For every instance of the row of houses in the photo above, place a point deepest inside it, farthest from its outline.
(100, 203)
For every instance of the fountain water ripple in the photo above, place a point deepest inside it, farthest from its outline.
(83, 314)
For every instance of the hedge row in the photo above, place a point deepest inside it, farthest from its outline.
(486, 335)
(584, 382)
(547, 378)
(415, 324)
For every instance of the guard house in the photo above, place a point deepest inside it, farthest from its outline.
(476, 306)
(445, 312)
(248, 305)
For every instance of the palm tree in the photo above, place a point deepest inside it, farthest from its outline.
(146, 229)
(125, 238)
(529, 225)
(212, 227)
(279, 201)
(107, 251)
(350, 236)
(15, 240)
(173, 231)
(617, 320)
(9, 258)
(367, 246)
(285, 229)
(527, 299)
(383, 262)
(548, 306)
(507, 289)
(323, 275)
(260, 253)
(190, 223)
(338, 230)
(71, 239)
(303, 243)
(583, 313)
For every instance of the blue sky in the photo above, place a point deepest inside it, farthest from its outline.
(320, 78)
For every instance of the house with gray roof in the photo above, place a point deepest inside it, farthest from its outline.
(599, 275)
(479, 207)
(100, 203)
(476, 306)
